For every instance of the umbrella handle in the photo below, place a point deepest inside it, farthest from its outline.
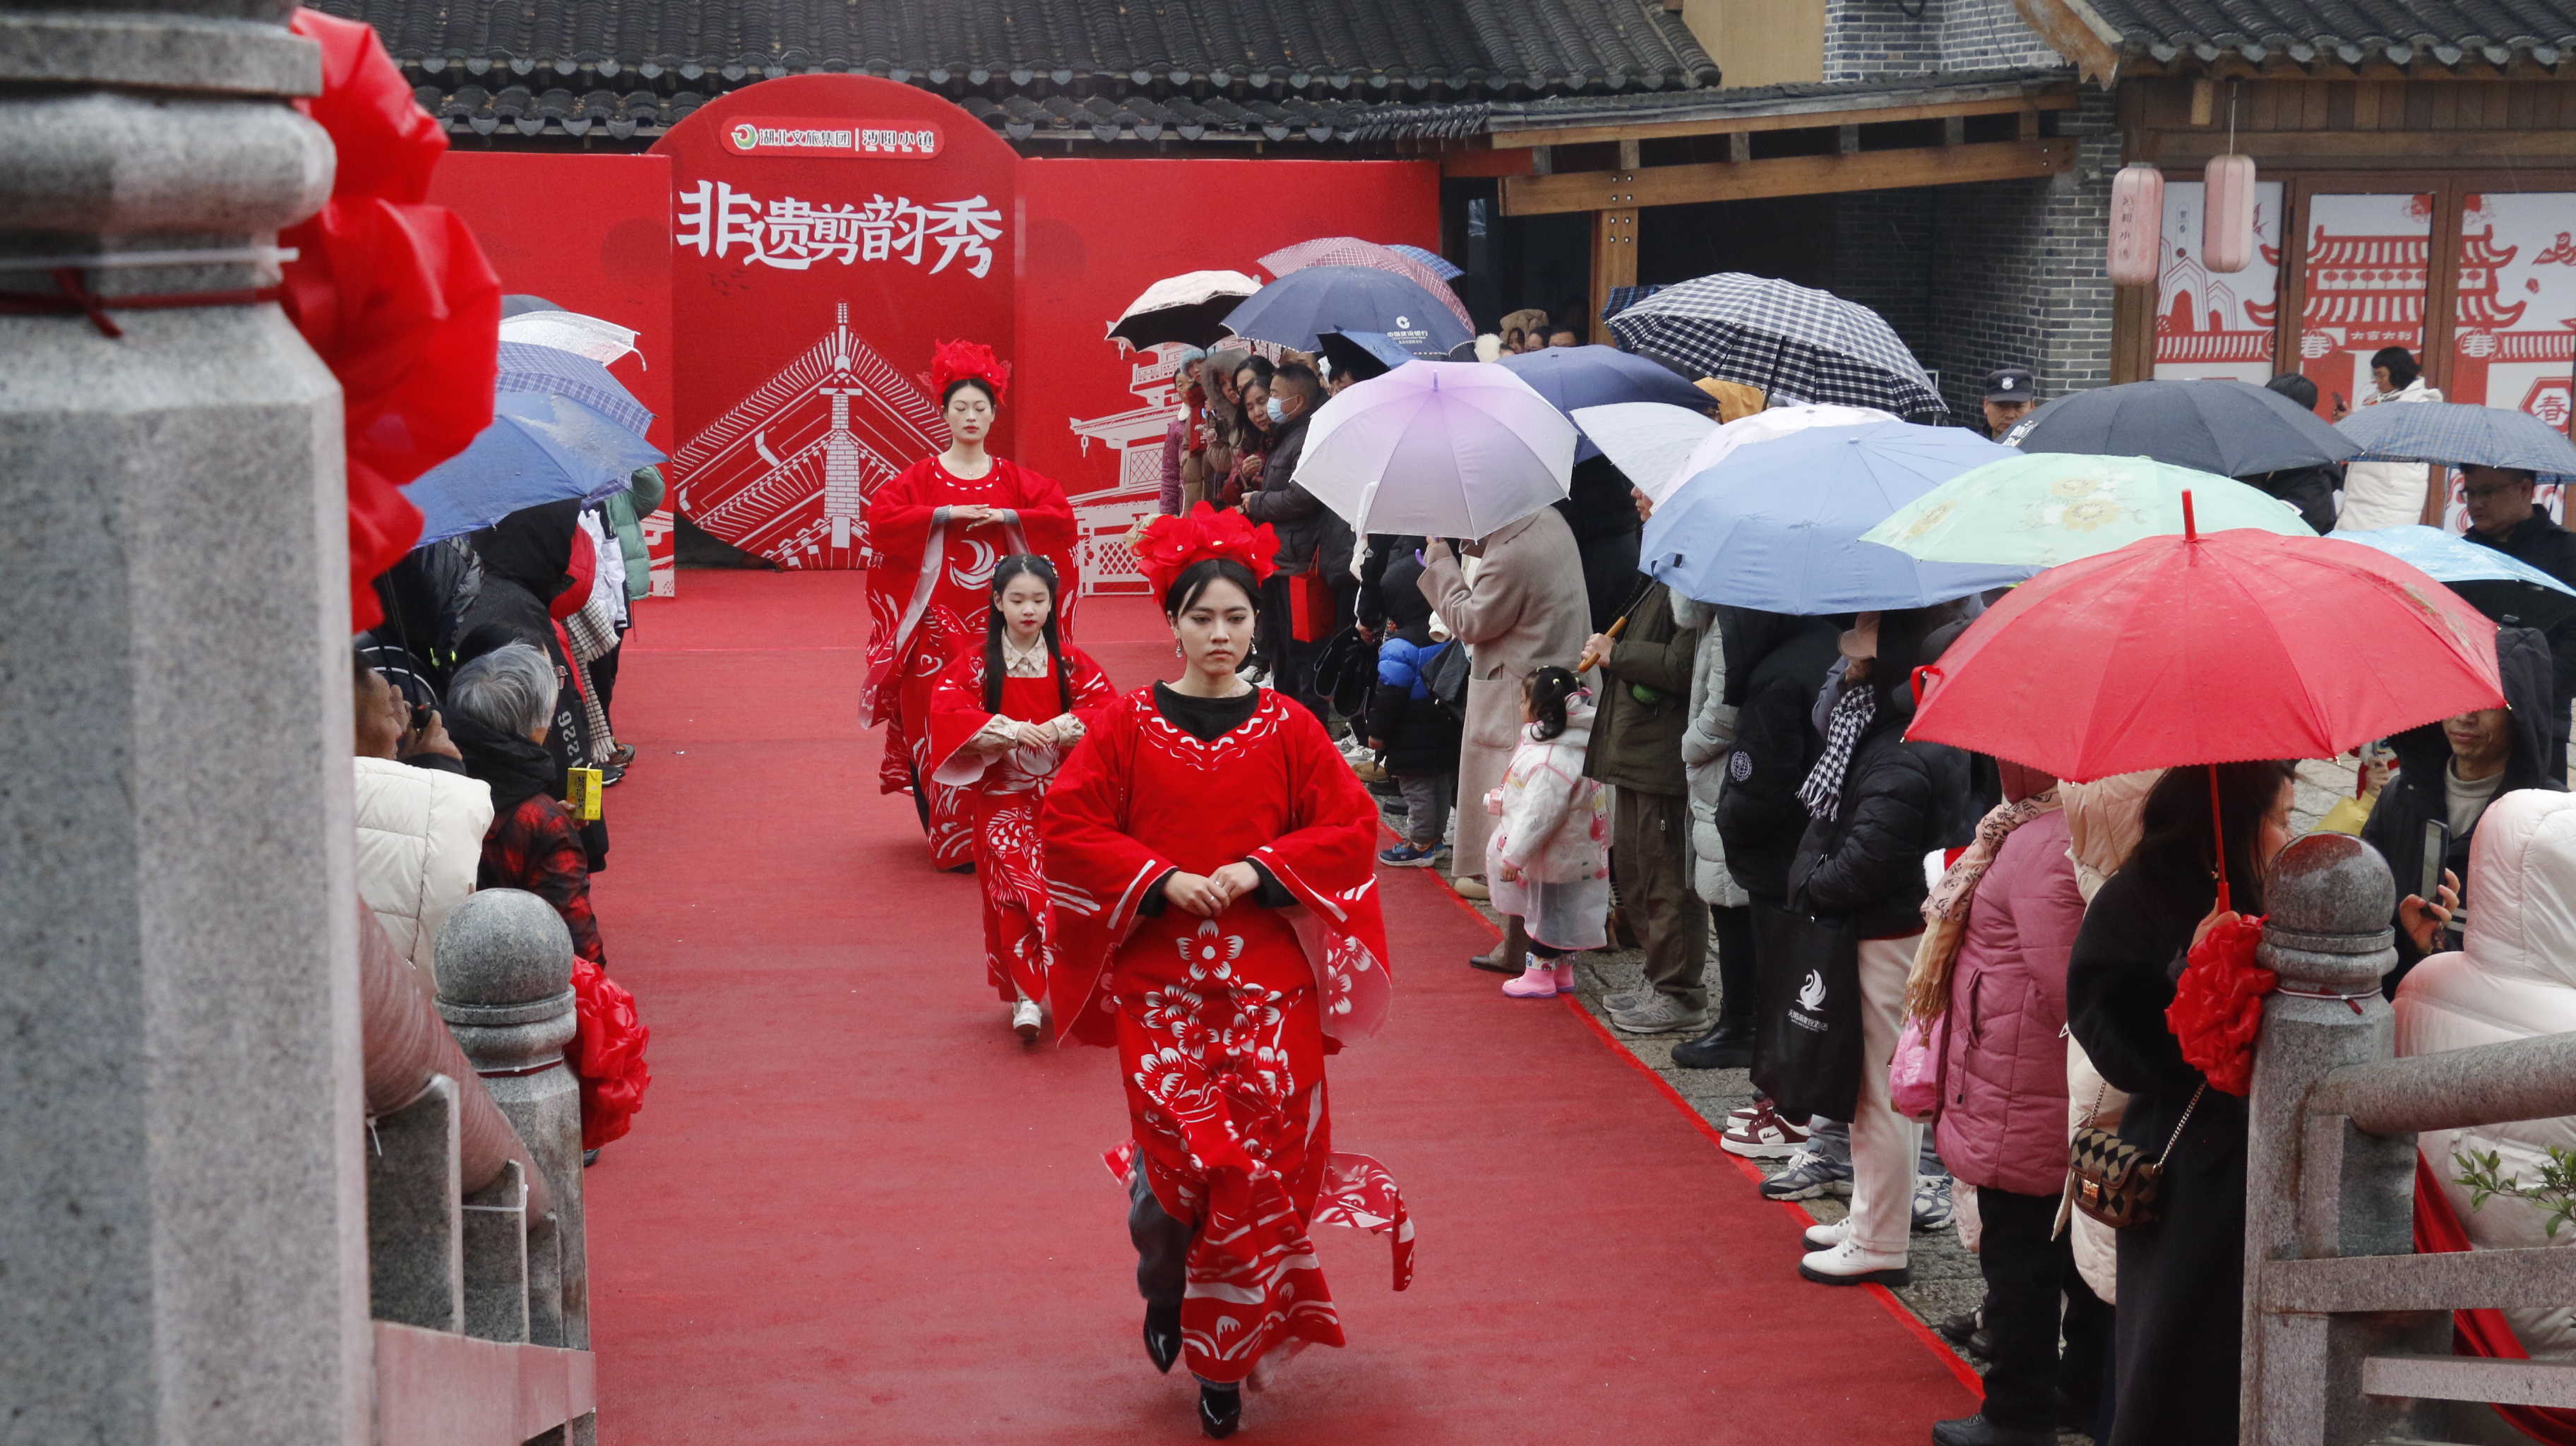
(1617, 626)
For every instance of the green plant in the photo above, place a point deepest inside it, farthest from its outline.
(2480, 1174)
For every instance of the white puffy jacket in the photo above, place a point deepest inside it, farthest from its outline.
(420, 840)
(2516, 979)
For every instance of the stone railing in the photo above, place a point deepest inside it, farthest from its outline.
(477, 1275)
(2347, 1330)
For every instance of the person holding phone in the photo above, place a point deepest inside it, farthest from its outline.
(2447, 774)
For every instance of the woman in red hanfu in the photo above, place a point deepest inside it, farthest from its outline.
(1001, 722)
(938, 529)
(1210, 856)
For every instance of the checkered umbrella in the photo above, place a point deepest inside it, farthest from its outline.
(549, 372)
(1352, 251)
(2459, 434)
(1623, 297)
(1441, 266)
(1795, 343)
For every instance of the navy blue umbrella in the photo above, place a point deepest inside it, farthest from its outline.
(1601, 376)
(2228, 428)
(1298, 308)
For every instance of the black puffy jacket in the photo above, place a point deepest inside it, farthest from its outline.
(2417, 795)
(1774, 665)
(1900, 800)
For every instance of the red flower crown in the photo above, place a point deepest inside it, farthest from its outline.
(1172, 544)
(952, 361)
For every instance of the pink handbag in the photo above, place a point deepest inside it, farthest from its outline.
(1914, 1075)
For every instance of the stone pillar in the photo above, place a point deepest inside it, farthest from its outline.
(504, 967)
(182, 1228)
(2315, 1186)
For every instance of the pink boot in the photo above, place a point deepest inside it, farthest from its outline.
(1565, 974)
(1537, 981)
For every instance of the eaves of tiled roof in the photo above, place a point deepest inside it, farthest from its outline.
(2411, 34)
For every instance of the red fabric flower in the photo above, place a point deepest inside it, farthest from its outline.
(607, 1052)
(954, 360)
(1171, 544)
(393, 294)
(2217, 1007)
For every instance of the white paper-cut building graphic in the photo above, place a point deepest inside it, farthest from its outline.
(1105, 518)
(787, 473)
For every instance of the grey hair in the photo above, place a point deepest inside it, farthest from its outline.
(510, 689)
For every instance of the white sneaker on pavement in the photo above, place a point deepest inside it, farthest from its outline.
(1847, 1264)
(1827, 1235)
(1025, 1017)
(1659, 1015)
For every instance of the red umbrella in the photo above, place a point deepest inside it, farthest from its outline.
(2222, 648)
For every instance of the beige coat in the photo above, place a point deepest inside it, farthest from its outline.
(1525, 610)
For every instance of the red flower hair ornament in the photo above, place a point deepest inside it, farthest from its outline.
(1171, 545)
(956, 361)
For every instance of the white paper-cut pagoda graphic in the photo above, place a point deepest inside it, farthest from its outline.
(787, 473)
(1136, 435)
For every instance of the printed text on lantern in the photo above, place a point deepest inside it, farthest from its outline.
(717, 220)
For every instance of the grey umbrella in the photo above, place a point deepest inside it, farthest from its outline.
(2228, 428)
(2459, 434)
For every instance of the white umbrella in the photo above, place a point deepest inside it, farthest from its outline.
(1444, 449)
(1660, 446)
(583, 336)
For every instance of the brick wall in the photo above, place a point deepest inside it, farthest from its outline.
(1867, 38)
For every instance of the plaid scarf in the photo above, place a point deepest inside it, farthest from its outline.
(1822, 793)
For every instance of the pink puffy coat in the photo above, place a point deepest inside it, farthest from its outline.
(2002, 1120)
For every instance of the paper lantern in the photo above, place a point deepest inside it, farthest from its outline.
(2137, 224)
(2227, 214)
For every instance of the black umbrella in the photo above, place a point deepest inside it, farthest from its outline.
(2230, 428)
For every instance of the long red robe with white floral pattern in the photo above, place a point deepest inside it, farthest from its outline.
(1222, 1025)
(928, 597)
(1001, 793)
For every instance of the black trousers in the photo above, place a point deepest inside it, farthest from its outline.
(1733, 931)
(2029, 1277)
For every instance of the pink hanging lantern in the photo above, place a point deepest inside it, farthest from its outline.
(2227, 214)
(2137, 224)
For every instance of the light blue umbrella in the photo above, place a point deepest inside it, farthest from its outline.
(538, 449)
(1777, 524)
(2459, 434)
(554, 372)
(2494, 583)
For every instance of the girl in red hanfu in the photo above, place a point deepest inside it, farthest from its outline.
(938, 529)
(1001, 722)
(1210, 856)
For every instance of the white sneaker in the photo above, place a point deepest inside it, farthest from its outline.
(1847, 1264)
(1026, 1017)
(1828, 1235)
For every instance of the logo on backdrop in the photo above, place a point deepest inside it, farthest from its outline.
(716, 220)
(769, 136)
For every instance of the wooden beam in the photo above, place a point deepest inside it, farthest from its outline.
(2075, 30)
(1487, 163)
(1796, 115)
(1954, 131)
(1614, 260)
(1628, 157)
(2204, 101)
(1785, 176)
(1847, 139)
(2419, 147)
(1739, 148)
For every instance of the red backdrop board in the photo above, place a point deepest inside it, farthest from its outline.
(586, 233)
(1094, 234)
(825, 231)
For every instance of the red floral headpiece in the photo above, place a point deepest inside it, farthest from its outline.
(953, 361)
(1171, 544)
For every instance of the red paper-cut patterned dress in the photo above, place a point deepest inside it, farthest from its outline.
(1001, 782)
(928, 600)
(1222, 1025)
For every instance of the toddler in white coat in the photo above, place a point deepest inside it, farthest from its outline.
(1548, 862)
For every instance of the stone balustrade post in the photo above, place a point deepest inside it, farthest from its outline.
(2316, 1186)
(504, 964)
(182, 1194)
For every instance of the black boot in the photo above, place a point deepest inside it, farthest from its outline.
(1728, 1046)
(1163, 1336)
(1220, 1410)
(1978, 1431)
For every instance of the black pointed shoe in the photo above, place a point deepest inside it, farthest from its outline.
(1976, 1430)
(1163, 1337)
(1220, 1410)
(1728, 1046)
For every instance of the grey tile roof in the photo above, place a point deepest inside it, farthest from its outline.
(1451, 122)
(1032, 69)
(2403, 32)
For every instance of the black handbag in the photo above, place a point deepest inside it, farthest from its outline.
(1807, 1050)
(1446, 679)
(2114, 1181)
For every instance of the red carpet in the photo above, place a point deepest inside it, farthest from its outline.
(856, 1209)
